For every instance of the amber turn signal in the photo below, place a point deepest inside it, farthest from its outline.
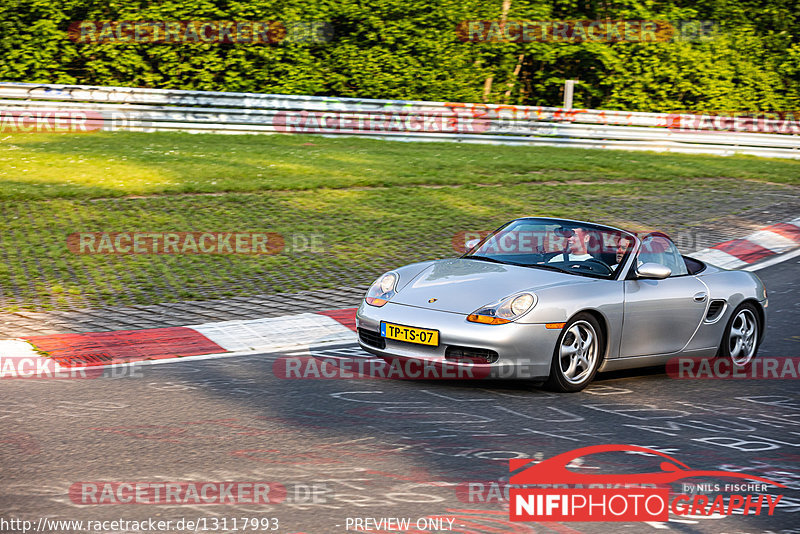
(485, 319)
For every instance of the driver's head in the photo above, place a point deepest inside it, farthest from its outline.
(574, 239)
(625, 243)
(576, 243)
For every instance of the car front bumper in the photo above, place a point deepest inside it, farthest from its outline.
(524, 350)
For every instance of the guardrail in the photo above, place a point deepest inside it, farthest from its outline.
(37, 107)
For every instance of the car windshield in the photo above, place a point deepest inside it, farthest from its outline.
(577, 248)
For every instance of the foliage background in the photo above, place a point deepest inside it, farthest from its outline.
(409, 50)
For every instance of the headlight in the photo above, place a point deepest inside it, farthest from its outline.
(388, 282)
(383, 289)
(503, 311)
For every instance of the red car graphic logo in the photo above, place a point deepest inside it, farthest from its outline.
(554, 470)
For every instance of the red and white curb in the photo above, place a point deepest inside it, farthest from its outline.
(202, 341)
(754, 249)
(769, 245)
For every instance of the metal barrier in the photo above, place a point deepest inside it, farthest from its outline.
(35, 107)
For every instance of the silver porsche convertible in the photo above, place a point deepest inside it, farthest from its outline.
(563, 299)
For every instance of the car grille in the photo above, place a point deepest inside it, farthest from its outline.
(371, 338)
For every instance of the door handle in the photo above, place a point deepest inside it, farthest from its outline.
(700, 297)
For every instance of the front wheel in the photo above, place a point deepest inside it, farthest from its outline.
(740, 341)
(577, 354)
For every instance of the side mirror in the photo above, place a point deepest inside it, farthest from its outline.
(471, 243)
(653, 270)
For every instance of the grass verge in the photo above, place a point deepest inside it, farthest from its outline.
(345, 191)
(97, 165)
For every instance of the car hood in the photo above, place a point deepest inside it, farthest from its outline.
(462, 286)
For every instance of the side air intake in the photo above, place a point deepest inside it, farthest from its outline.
(715, 310)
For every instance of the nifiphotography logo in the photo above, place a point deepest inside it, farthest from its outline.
(625, 497)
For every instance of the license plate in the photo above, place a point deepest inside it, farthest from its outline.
(410, 334)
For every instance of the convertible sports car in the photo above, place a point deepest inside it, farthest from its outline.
(563, 300)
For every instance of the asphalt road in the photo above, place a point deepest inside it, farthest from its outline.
(387, 448)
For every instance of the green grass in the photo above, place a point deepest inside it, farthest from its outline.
(119, 164)
(345, 190)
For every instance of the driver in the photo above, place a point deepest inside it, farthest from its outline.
(575, 248)
(624, 244)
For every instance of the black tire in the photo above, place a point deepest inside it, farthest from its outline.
(741, 348)
(583, 362)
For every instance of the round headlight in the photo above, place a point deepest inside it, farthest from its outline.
(521, 304)
(503, 311)
(387, 282)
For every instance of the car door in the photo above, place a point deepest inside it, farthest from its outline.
(661, 316)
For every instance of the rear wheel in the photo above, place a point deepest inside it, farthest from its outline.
(741, 338)
(577, 354)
